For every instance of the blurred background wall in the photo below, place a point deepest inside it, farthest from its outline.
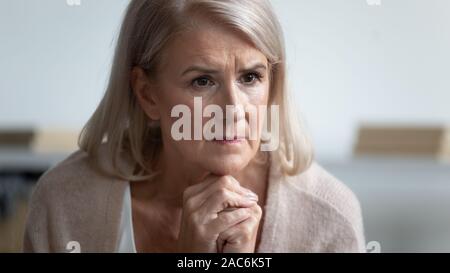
(350, 62)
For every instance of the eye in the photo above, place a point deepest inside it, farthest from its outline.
(250, 78)
(202, 82)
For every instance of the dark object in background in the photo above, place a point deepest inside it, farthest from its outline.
(14, 187)
(16, 138)
(22, 162)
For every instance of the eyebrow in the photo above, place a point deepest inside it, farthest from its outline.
(205, 70)
(199, 69)
(254, 67)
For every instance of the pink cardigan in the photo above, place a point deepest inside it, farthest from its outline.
(309, 212)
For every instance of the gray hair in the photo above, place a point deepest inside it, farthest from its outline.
(121, 124)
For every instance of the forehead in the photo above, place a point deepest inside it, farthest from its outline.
(211, 45)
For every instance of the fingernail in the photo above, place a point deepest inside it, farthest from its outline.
(252, 196)
(252, 193)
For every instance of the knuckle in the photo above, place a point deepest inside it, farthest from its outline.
(190, 204)
(223, 182)
(257, 211)
(186, 195)
(193, 219)
(244, 212)
(223, 193)
(243, 238)
(201, 231)
(246, 231)
(226, 217)
(227, 182)
(231, 181)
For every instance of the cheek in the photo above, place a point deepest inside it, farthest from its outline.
(257, 100)
(168, 98)
(258, 95)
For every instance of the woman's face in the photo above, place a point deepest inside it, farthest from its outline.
(222, 68)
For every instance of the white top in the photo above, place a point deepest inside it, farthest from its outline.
(126, 234)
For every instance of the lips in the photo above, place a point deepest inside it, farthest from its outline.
(232, 139)
(235, 140)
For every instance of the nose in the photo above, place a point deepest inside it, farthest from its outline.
(231, 102)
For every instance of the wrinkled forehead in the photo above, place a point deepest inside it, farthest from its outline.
(212, 46)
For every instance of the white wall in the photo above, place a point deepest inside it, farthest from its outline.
(352, 62)
(348, 62)
(54, 59)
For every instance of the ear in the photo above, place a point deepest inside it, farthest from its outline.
(145, 93)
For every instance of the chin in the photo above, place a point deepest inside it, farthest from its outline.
(226, 165)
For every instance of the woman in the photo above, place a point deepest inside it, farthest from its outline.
(134, 187)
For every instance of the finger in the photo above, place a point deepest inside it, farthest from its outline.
(224, 183)
(199, 187)
(236, 238)
(224, 198)
(226, 220)
(232, 232)
(212, 182)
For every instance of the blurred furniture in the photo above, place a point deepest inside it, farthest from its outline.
(394, 139)
(405, 201)
(17, 138)
(19, 171)
(401, 175)
(25, 154)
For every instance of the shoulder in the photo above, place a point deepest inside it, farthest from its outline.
(71, 201)
(327, 189)
(330, 209)
(81, 175)
(74, 174)
(69, 182)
